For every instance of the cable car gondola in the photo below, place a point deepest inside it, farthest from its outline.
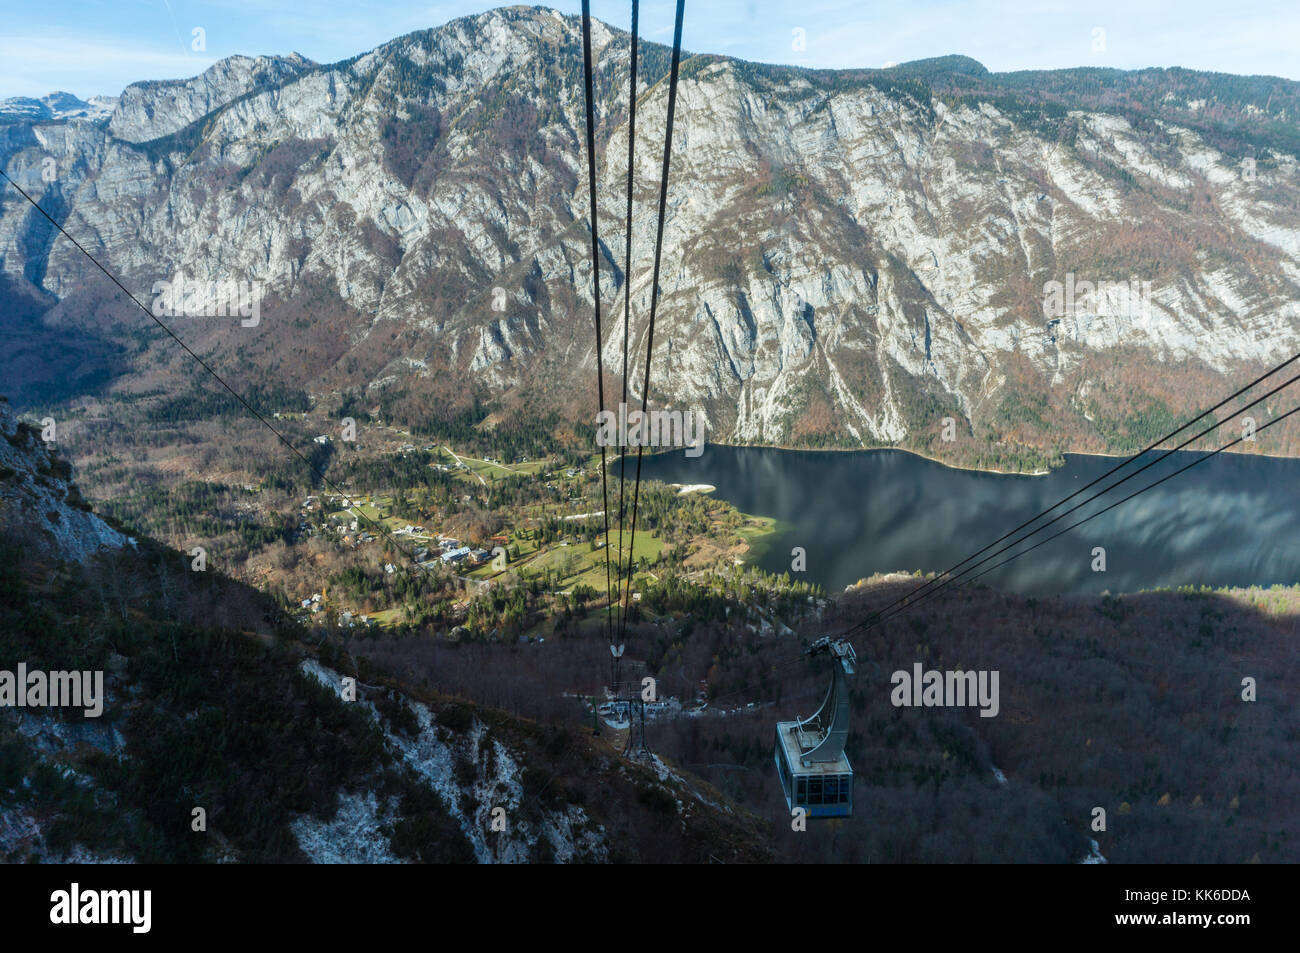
(814, 770)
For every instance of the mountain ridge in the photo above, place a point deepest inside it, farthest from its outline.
(862, 266)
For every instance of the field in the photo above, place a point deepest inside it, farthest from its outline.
(574, 563)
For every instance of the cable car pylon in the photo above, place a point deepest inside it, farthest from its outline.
(810, 761)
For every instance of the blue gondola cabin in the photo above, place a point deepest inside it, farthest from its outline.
(814, 770)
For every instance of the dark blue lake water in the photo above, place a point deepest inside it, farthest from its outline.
(1233, 520)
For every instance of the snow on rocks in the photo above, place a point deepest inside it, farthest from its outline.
(433, 754)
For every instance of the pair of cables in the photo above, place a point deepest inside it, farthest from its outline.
(617, 589)
(955, 574)
(317, 472)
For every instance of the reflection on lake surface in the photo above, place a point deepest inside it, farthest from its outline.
(1233, 520)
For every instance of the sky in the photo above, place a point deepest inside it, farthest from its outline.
(90, 47)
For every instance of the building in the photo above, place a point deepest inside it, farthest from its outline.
(455, 555)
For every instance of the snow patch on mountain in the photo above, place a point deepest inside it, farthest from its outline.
(433, 754)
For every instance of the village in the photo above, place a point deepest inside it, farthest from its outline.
(470, 536)
(568, 563)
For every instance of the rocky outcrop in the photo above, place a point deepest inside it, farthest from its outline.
(154, 109)
(39, 506)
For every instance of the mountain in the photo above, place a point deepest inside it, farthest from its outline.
(850, 257)
(57, 107)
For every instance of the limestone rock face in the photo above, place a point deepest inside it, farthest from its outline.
(147, 111)
(39, 506)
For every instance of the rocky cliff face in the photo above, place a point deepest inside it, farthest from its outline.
(39, 507)
(148, 111)
(848, 257)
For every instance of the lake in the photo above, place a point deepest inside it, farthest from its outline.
(1231, 521)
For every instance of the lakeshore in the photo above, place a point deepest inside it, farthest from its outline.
(855, 513)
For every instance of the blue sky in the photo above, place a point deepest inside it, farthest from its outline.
(98, 46)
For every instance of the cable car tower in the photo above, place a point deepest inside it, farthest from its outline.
(814, 770)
